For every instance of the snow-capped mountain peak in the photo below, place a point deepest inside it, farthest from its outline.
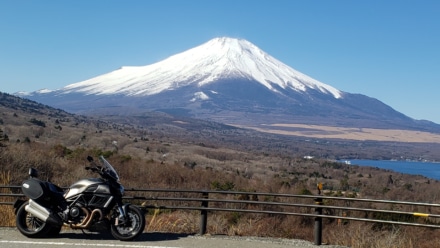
(218, 58)
(225, 80)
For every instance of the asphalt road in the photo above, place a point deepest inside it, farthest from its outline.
(12, 238)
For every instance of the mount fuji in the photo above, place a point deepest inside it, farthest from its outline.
(230, 81)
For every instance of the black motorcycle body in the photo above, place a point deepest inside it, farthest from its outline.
(93, 204)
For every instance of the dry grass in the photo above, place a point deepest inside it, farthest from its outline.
(7, 217)
(327, 132)
(162, 162)
(361, 235)
(174, 222)
(247, 174)
(354, 234)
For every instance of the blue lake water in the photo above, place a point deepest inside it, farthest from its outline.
(428, 169)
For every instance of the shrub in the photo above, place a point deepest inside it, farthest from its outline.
(38, 122)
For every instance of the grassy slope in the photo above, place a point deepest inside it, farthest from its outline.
(158, 151)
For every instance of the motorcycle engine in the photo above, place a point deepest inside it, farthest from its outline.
(75, 212)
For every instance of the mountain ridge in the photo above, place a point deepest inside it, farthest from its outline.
(230, 81)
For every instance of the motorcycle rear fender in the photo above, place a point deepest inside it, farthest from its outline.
(17, 205)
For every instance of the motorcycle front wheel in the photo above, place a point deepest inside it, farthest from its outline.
(29, 225)
(134, 226)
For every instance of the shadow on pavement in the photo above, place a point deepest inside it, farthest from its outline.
(151, 237)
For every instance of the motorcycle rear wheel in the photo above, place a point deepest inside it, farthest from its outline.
(29, 225)
(134, 228)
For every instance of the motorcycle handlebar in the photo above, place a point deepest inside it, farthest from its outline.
(94, 169)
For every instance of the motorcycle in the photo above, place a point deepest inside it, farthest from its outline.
(93, 204)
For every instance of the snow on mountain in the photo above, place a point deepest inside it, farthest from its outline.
(199, 96)
(44, 91)
(26, 94)
(218, 58)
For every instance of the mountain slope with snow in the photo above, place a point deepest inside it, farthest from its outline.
(220, 58)
(227, 80)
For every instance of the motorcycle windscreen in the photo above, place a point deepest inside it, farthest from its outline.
(34, 189)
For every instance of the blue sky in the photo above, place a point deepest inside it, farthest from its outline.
(389, 50)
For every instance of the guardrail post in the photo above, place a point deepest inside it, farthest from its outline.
(204, 214)
(318, 222)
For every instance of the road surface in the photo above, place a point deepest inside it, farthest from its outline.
(12, 238)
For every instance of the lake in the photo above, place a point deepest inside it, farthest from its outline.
(428, 169)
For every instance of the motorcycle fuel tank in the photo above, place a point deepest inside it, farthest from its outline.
(90, 185)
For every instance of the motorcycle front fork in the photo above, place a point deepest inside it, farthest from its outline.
(121, 219)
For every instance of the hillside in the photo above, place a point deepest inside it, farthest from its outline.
(165, 139)
(55, 137)
(163, 151)
(190, 142)
(24, 119)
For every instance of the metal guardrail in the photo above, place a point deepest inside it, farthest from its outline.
(330, 207)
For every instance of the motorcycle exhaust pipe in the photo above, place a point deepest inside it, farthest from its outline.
(42, 213)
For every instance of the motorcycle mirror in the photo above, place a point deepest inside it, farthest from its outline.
(89, 158)
(33, 172)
